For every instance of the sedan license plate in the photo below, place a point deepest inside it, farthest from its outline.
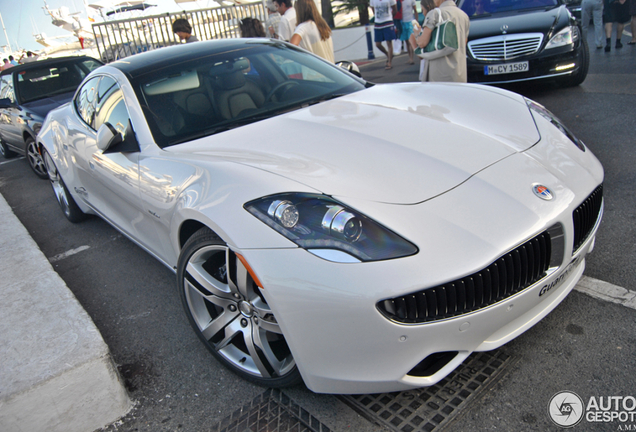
(506, 68)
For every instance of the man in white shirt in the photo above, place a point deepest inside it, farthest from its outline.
(287, 23)
(273, 20)
(30, 57)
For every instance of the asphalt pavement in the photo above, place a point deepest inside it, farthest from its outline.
(586, 346)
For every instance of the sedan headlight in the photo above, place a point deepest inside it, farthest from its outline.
(542, 111)
(322, 225)
(567, 36)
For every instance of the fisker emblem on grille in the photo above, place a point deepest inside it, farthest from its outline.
(504, 29)
(542, 192)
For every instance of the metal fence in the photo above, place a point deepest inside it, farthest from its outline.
(122, 38)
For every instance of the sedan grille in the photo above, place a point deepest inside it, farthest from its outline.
(586, 215)
(505, 47)
(510, 274)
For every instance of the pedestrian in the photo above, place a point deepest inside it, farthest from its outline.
(397, 22)
(615, 14)
(593, 9)
(12, 61)
(409, 13)
(313, 32)
(287, 23)
(251, 27)
(273, 19)
(29, 58)
(182, 28)
(384, 29)
(632, 12)
(6, 64)
(453, 66)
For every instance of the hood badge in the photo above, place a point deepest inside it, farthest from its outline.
(504, 29)
(542, 192)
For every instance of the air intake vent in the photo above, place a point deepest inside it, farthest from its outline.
(510, 274)
(586, 215)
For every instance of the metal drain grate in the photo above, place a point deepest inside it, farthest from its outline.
(430, 408)
(272, 411)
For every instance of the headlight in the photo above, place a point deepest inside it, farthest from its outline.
(322, 225)
(567, 36)
(542, 111)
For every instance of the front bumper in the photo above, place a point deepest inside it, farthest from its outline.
(544, 65)
(328, 311)
(343, 344)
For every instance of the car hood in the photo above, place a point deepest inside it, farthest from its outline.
(518, 22)
(392, 143)
(41, 107)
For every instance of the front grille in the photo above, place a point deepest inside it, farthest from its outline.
(508, 275)
(586, 215)
(505, 47)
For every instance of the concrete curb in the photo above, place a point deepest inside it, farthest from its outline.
(56, 372)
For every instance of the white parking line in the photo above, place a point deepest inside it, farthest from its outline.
(11, 160)
(606, 291)
(68, 254)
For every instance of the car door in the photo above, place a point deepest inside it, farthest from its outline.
(10, 129)
(110, 180)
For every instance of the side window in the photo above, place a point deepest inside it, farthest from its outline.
(110, 106)
(85, 101)
(87, 66)
(6, 88)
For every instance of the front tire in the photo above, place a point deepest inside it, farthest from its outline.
(230, 315)
(580, 75)
(36, 161)
(64, 198)
(4, 150)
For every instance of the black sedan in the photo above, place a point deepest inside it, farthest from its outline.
(523, 40)
(27, 93)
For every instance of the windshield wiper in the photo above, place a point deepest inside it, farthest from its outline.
(324, 98)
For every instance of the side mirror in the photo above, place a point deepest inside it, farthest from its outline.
(6, 103)
(350, 67)
(108, 136)
(110, 140)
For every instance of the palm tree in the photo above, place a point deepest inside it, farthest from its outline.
(327, 12)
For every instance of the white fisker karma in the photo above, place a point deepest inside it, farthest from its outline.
(358, 237)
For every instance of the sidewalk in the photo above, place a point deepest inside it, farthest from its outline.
(56, 372)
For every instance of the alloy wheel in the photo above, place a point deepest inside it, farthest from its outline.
(232, 316)
(35, 159)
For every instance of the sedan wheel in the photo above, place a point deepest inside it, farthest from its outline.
(230, 314)
(35, 159)
(68, 205)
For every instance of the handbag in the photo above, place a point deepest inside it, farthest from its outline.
(443, 40)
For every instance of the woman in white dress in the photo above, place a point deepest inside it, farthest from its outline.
(313, 32)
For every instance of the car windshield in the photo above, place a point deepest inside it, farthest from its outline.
(52, 79)
(487, 7)
(211, 94)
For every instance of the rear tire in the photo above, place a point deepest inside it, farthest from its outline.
(36, 161)
(64, 198)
